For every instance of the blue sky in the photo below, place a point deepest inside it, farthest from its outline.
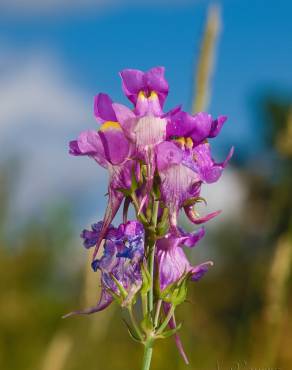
(255, 49)
(89, 43)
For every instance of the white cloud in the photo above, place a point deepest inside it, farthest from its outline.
(40, 111)
(228, 195)
(34, 90)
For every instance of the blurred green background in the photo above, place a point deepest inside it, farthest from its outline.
(240, 315)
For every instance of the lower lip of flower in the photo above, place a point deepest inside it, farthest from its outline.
(178, 181)
(149, 131)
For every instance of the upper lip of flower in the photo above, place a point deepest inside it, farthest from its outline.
(135, 82)
(198, 127)
(103, 110)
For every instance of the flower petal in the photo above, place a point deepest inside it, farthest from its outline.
(148, 105)
(126, 118)
(190, 240)
(89, 143)
(116, 146)
(172, 112)
(132, 83)
(217, 125)
(227, 159)
(131, 229)
(178, 182)
(171, 260)
(201, 126)
(104, 301)
(185, 125)
(167, 155)
(155, 81)
(179, 124)
(195, 219)
(149, 131)
(103, 109)
(90, 237)
(200, 270)
(208, 170)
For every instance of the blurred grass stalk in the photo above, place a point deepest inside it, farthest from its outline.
(284, 141)
(57, 352)
(274, 312)
(207, 56)
(275, 309)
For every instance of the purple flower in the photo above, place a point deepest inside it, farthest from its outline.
(173, 265)
(122, 254)
(110, 148)
(146, 90)
(128, 238)
(124, 132)
(131, 236)
(90, 237)
(157, 162)
(145, 126)
(183, 167)
(172, 262)
(197, 127)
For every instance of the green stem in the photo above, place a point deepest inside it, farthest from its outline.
(157, 313)
(147, 356)
(144, 304)
(155, 212)
(151, 271)
(141, 215)
(152, 255)
(134, 323)
(149, 343)
(166, 320)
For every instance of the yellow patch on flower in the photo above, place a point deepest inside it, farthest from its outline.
(153, 95)
(184, 142)
(181, 141)
(108, 125)
(141, 95)
(189, 142)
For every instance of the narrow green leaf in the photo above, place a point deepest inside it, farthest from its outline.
(130, 331)
(193, 201)
(169, 333)
(146, 323)
(122, 290)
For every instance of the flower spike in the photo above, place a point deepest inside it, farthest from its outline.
(158, 163)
